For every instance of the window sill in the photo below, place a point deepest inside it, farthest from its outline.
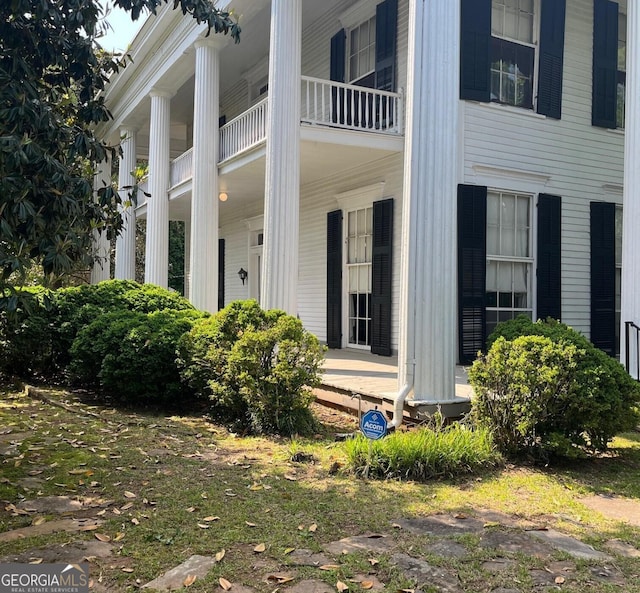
(617, 131)
(511, 109)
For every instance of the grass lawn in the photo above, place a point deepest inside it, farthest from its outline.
(171, 487)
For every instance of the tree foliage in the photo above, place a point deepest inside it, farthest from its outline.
(52, 77)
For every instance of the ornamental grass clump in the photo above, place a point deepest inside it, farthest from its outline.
(424, 453)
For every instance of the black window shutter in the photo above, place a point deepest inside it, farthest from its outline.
(549, 255)
(338, 56)
(603, 276)
(472, 270)
(552, 20)
(334, 279)
(386, 35)
(381, 277)
(220, 273)
(475, 57)
(605, 63)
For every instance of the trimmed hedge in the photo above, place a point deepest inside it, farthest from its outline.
(544, 388)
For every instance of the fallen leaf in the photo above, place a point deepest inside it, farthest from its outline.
(288, 551)
(127, 569)
(190, 509)
(89, 527)
(256, 487)
(36, 560)
(224, 583)
(204, 495)
(290, 477)
(301, 527)
(203, 526)
(190, 580)
(374, 561)
(209, 519)
(116, 511)
(249, 524)
(39, 521)
(396, 525)
(280, 578)
(101, 513)
(119, 536)
(260, 548)
(135, 521)
(559, 580)
(76, 472)
(128, 494)
(341, 587)
(459, 516)
(220, 555)
(102, 537)
(329, 567)
(313, 527)
(126, 507)
(366, 584)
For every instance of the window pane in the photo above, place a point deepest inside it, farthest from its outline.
(622, 41)
(505, 300)
(618, 236)
(352, 224)
(505, 277)
(492, 276)
(520, 271)
(353, 279)
(497, 19)
(363, 278)
(511, 23)
(353, 304)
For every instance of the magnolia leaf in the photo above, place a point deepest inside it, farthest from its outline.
(249, 524)
(203, 526)
(119, 536)
(290, 477)
(341, 587)
(280, 578)
(38, 521)
(260, 548)
(36, 560)
(102, 537)
(128, 494)
(374, 561)
(190, 580)
(190, 509)
(127, 569)
(288, 551)
(209, 519)
(116, 511)
(366, 584)
(459, 516)
(126, 507)
(220, 555)
(224, 583)
(135, 521)
(313, 527)
(559, 580)
(89, 527)
(329, 567)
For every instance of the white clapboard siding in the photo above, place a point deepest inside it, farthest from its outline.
(580, 160)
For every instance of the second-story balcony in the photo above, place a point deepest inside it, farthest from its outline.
(324, 104)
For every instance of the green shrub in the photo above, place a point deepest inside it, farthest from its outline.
(423, 453)
(253, 366)
(550, 391)
(131, 355)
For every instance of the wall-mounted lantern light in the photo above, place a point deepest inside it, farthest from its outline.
(243, 274)
(223, 196)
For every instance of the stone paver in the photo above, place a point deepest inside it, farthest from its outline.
(73, 553)
(448, 549)
(55, 505)
(305, 557)
(197, 566)
(570, 545)
(498, 565)
(613, 507)
(424, 573)
(608, 574)
(514, 542)
(69, 525)
(370, 543)
(441, 525)
(623, 549)
(310, 586)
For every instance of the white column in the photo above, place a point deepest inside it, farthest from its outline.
(282, 179)
(102, 246)
(427, 349)
(126, 242)
(203, 292)
(157, 244)
(187, 259)
(630, 305)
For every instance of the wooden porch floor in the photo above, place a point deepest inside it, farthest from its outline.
(352, 373)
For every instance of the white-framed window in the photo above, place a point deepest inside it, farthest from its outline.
(359, 243)
(618, 249)
(361, 50)
(622, 68)
(509, 256)
(514, 41)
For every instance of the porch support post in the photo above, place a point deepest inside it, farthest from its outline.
(126, 241)
(630, 305)
(157, 245)
(427, 349)
(102, 248)
(282, 179)
(203, 292)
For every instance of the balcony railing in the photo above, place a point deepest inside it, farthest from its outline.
(324, 103)
(335, 104)
(244, 132)
(181, 168)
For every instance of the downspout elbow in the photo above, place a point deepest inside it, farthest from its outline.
(398, 406)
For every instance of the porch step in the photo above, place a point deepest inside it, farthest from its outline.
(358, 402)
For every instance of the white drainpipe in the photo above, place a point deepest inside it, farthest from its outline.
(398, 406)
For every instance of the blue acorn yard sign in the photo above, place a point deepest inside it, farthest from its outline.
(373, 425)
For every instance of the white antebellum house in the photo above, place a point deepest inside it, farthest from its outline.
(400, 174)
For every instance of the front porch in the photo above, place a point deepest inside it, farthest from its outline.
(358, 380)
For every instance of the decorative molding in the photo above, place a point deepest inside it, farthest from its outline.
(513, 179)
(613, 188)
(360, 197)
